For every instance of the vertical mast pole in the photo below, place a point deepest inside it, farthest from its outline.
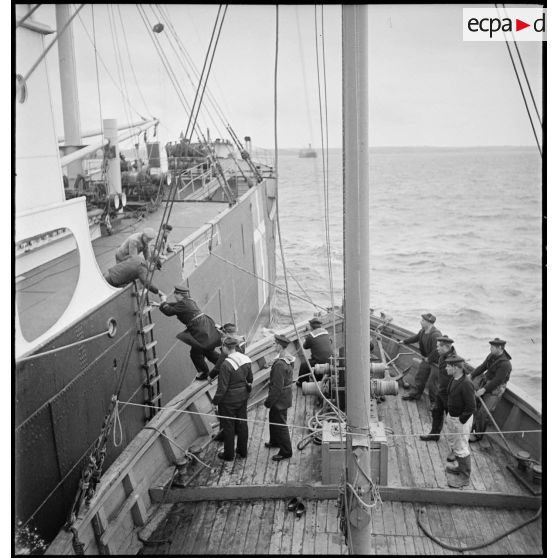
(68, 86)
(356, 270)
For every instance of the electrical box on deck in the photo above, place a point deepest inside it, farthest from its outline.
(333, 453)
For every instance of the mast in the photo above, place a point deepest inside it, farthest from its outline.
(68, 85)
(356, 271)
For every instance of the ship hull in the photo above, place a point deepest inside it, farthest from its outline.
(62, 398)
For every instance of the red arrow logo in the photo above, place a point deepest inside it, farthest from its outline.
(519, 25)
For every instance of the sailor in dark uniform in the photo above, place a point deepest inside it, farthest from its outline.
(490, 380)
(461, 406)
(279, 400)
(445, 349)
(134, 267)
(319, 343)
(426, 337)
(233, 389)
(200, 333)
(227, 330)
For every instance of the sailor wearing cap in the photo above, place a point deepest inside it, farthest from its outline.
(135, 244)
(461, 406)
(319, 343)
(233, 389)
(491, 379)
(200, 333)
(426, 337)
(279, 399)
(129, 270)
(446, 350)
(227, 330)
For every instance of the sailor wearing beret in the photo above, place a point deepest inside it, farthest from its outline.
(491, 379)
(200, 333)
(426, 338)
(319, 343)
(279, 400)
(461, 406)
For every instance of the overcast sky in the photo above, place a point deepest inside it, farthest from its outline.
(427, 86)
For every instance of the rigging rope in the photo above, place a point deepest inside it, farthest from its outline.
(28, 14)
(521, 89)
(96, 66)
(524, 71)
(130, 61)
(54, 41)
(422, 512)
(97, 53)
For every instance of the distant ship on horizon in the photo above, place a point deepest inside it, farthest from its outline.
(307, 153)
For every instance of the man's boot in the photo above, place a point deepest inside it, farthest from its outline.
(464, 473)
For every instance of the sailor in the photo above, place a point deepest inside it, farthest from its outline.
(200, 333)
(426, 337)
(233, 389)
(461, 406)
(490, 380)
(445, 349)
(129, 270)
(319, 343)
(135, 244)
(165, 248)
(226, 330)
(279, 400)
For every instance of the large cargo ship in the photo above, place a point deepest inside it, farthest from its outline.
(72, 329)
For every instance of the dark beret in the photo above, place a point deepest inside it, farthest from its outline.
(315, 321)
(455, 359)
(445, 339)
(429, 317)
(498, 342)
(230, 341)
(181, 290)
(282, 340)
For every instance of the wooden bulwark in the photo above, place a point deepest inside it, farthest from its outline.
(241, 506)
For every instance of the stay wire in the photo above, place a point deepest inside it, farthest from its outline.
(119, 66)
(524, 71)
(130, 61)
(281, 249)
(522, 92)
(109, 74)
(27, 15)
(96, 66)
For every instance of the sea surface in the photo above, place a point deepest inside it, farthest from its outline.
(454, 232)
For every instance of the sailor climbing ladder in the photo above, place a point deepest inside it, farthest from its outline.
(147, 346)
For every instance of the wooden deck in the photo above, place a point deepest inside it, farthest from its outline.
(264, 526)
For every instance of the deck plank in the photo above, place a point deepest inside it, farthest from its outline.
(411, 519)
(263, 544)
(310, 527)
(393, 420)
(297, 534)
(417, 476)
(277, 529)
(216, 533)
(206, 528)
(418, 428)
(184, 541)
(229, 532)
